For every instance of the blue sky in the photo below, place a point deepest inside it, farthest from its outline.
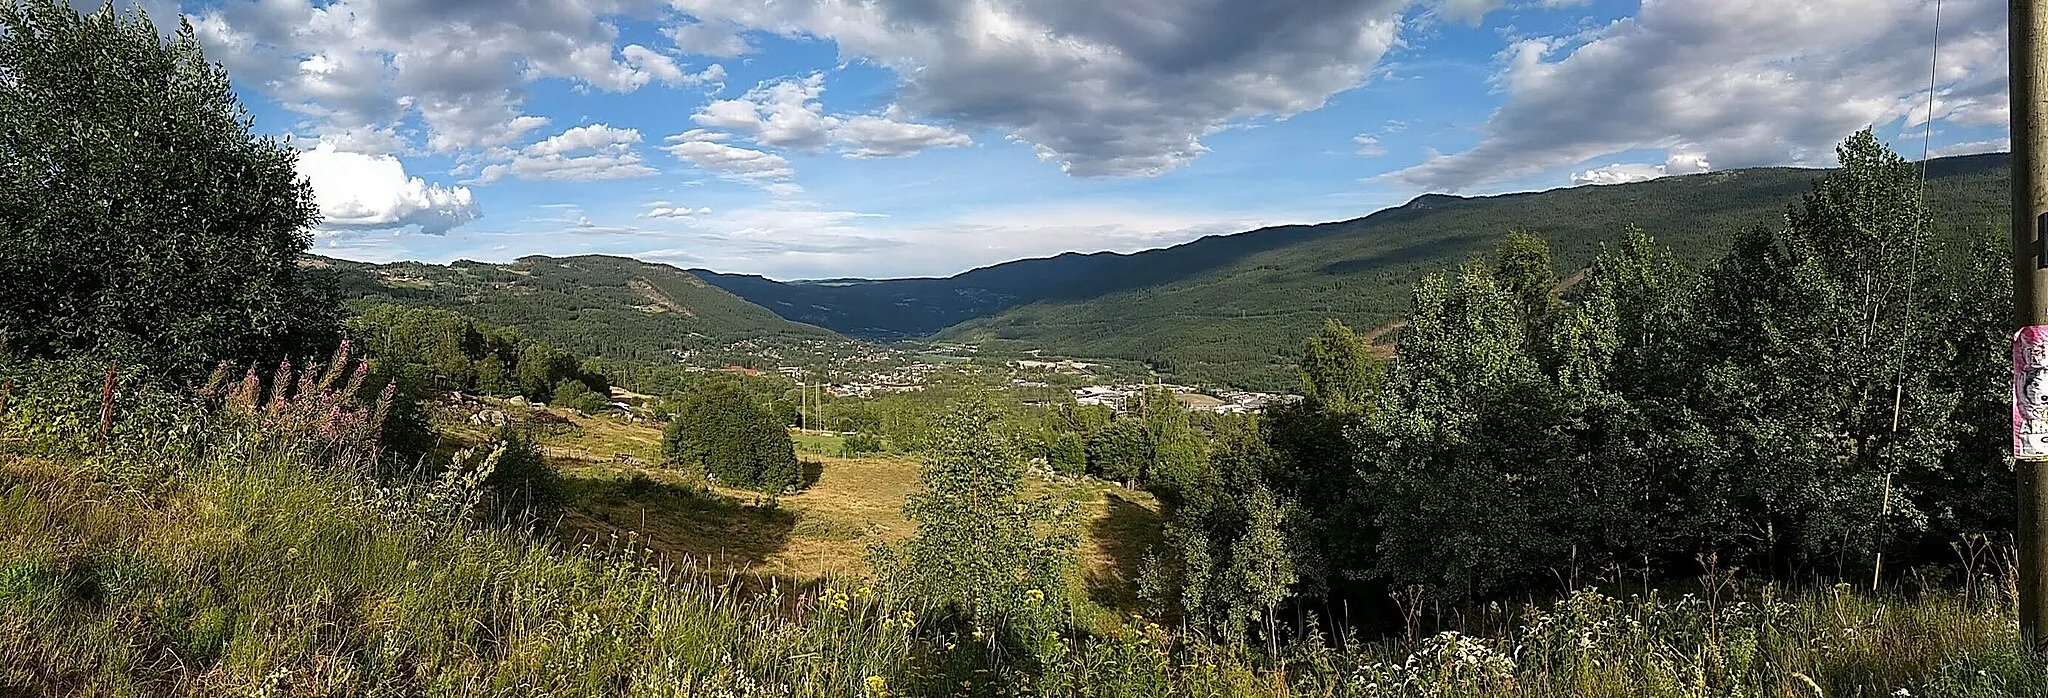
(828, 138)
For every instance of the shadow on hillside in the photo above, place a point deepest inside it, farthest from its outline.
(1426, 250)
(681, 522)
(1126, 533)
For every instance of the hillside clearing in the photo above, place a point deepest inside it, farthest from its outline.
(618, 487)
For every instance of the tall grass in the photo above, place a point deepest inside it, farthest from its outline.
(232, 564)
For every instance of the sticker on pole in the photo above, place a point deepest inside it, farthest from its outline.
(2030, 393)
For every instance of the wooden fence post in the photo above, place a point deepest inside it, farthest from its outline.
(106, 409)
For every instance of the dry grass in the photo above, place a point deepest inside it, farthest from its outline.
(822, 531)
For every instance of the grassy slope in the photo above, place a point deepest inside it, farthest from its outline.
(594, 305)
(1233, 321)
(823, 531)
(278, 579)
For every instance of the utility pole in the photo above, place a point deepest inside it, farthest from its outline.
(2027, 25)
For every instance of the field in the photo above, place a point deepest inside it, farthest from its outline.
(617, 486)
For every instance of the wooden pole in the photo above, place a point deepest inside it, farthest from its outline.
(2027, 24)
(106, 409)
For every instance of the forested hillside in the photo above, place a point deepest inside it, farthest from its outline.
(595, 305)
(1232, 308)
(1229, 323)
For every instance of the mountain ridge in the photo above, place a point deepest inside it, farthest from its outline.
(1224, 308)
(598, 305)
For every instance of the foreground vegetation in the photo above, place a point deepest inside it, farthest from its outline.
(202, 549)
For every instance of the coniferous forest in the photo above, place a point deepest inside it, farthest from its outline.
(229, 467)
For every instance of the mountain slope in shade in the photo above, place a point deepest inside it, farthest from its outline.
(1233, 308)
(594, 304)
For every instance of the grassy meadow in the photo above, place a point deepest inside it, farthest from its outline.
(822, 531)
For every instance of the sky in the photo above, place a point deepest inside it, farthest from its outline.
(806, 139)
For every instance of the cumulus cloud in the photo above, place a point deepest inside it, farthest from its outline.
(884, 137)
(1677, 163)
(787, 114)
(705, 152)
(707, 39)
(581, 138)
(460, 66)
(1099, 87)
(1745, 82)
(358, 191)
(581, 154)
(783, 114)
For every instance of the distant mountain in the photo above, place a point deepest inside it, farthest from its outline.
(1232, 308)
(594, 305)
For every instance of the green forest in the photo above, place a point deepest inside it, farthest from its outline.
(1774, 467)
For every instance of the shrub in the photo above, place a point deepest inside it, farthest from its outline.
(726, 434)
(860, 444)
(577, 396)
(523, 487)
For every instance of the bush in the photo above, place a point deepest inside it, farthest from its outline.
(577, 396)
(860, 444)
(727, 435)
(523, 487)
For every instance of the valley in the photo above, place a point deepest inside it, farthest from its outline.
(1222, 310)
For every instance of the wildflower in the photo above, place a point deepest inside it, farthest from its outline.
(1035, 596)
(878, 686)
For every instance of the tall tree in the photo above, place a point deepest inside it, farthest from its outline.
(1339, 372)
(139, 213)
(1524, 270)
(979, 541)
(1818, 355)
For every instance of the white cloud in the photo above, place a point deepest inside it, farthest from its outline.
(886, 136)
(782, 114)
(1103, 88)
(666, 211)
(581, 154)
(460, 66)
(1745, 82)
(729, 161)
(708, 39)
(590, 137)
(1369, 145)
(1995, 145)
(787, 114)
(357, 191)
(1469, 11)
(1676, 163)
